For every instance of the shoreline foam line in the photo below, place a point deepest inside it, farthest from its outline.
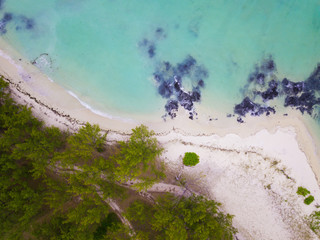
(103, 114)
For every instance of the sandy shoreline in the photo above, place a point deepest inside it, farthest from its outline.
(237, 165)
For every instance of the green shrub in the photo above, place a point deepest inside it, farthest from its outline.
(309, 200)
(190, 159)
(303, 191)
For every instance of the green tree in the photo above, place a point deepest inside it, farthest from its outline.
(82, 147)
(184, 218)
(138, 156)
(87, 173)
(56, 228)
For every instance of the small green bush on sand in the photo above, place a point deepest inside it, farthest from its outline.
(190, 159)
(309, 200)
(303, 191)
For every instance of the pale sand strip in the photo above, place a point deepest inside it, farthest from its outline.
(238, 167)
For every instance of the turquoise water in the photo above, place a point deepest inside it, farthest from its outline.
(95, 47)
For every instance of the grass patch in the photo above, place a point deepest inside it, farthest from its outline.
(190, 159)
(303, 191)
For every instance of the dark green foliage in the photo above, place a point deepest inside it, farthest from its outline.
(110, 223)
(83, 167)
(184, 218)
(314, 221)
(303, 191)
(56, 228)
(21, 197)
(82, 147)
(309, 200)
(190, 159)
(29, 156)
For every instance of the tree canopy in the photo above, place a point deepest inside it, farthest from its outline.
(44, 171)
(138, 156)
(182, 218)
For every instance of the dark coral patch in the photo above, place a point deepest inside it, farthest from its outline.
(292, 88)
(271, 92)
(27, 23)
(185, 67)
(160, 33)
(313, 81)
(302, 95)
(254, 109)
(151, 51)
(22, 22)
(169, 81)
(7, 17)
(170, 78)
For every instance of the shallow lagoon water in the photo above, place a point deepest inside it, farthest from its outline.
(95, 48)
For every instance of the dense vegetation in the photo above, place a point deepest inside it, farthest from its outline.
(49, 178)
(181, 218)
(58, 185)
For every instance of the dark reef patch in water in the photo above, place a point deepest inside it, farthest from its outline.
(255, 109)
(25, 23)
(305, 95)
(170, 78)
(292, 88)
(151, 50)
(7, 17)
(22, 22)
(172, 107)
(160, 33)
(313, 81)
(259, 93)
(263, 86)
(271, 92)
(169, 81)
(149, 46)
(184, 68)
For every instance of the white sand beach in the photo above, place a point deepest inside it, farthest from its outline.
(253, 169)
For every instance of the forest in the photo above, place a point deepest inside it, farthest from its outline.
(58, 184)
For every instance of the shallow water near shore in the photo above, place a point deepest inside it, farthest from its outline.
(107, 53)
